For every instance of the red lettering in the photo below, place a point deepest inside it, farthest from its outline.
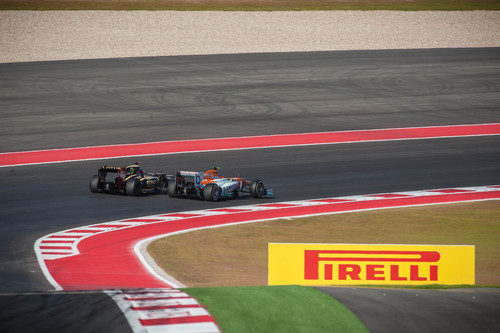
(414, 274)
(395, 274)
(328, 272)
(433, 273)
(371, 272)
(353, 272)
(311, 261)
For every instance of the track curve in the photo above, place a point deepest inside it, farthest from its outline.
(81, 103)
(110, 254)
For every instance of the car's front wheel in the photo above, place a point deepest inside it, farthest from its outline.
(257, 189)
(133, 187)
(212, 192)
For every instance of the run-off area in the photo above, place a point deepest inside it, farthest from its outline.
(237, 255)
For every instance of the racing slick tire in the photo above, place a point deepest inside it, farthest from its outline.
(133, 187)
(172, 189)
(257, 189)
(212, 192)
(94, 184)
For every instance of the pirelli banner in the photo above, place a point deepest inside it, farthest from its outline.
(348, 264)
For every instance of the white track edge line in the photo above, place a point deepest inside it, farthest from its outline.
(252, 136)
(151, 265)
(248, 148)
(140, 247)
(48, 276)
(43, 267)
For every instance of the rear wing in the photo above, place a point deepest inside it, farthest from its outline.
(189, 178)
(106, 168)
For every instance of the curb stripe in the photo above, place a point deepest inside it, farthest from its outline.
(239, 143)
(112, 257)
(164, 307)
(174, 320)
(90, 261)
(172, 315)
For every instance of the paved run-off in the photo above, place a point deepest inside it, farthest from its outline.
(60, 35)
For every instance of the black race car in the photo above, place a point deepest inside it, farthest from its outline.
(130, 180)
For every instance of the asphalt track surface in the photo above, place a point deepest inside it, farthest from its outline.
(94, 102)
(381, 310)
(448, 310)
(61, 312)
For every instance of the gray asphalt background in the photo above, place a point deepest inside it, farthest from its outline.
(95, 102)
(67, 312)
(410, 310)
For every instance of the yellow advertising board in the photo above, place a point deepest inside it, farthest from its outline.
(348, 264)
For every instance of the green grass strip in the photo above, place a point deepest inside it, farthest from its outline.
(276, 309)
(290, 5)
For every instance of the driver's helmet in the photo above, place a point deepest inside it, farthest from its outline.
(212, 173)
(132, 170)
(141, 172)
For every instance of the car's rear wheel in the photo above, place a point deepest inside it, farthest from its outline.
(172, 189)
(212, 192)
(257, 189)
(133, 187)
(94, 184)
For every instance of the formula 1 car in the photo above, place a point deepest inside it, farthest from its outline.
(130, 180)
(212, 186)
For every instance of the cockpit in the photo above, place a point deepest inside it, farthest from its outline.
(132, 170)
